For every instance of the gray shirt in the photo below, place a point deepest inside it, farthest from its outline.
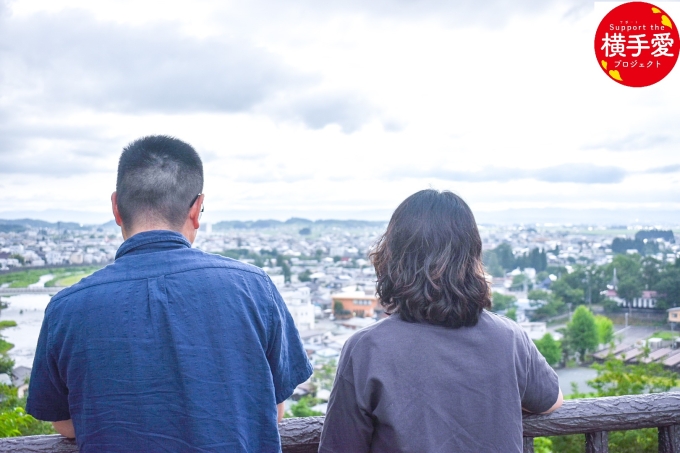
(415, 387)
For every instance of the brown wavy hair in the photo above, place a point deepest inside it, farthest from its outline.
(429, 262)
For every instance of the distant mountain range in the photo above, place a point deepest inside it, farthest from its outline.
(19, 225)
(666, 219)
(252, 224)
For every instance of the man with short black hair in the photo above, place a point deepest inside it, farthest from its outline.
(168, 348)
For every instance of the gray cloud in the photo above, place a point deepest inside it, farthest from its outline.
(317, 111)
(574, 173)
(69, 59)
(491, 14)
(54, 150)
(580, 173)
(632, 142)
(665, 169)
(63, 159)
(53, 64)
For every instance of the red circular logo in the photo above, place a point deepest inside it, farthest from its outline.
(637, 44)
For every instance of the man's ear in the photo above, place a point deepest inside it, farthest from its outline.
(195, 211)
(114, 206)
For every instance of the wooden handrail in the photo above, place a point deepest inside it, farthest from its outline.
(594, 417)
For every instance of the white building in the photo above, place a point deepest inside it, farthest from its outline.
(76, 258)
(278, 280)
(647, 299)
(535, 330)
(299, 303)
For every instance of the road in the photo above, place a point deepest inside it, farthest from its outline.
(631, 334)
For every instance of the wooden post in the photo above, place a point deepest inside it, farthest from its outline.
(669, 439)
(597, 442)
(528, 445)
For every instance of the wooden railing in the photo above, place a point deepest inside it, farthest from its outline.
(594, 417)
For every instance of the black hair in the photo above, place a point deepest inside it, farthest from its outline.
(158, 178)
(429, 262)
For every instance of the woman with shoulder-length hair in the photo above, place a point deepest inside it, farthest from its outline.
(442, 373)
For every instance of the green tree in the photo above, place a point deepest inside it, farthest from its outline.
(303, 408)
(581, 332)
(543, 445)
(502, 301)
(541, 276)
(549, 348)
(615, 378)
(589, 279)
(568, 294)
(492, 264)
(512, 314)
(304, 276)
(668, 287)
(505, 256)
(14, 421)
(625, 265)
(324, 376)
(629, 273)
(629, 288)
(518, 282)
(18, 257)
(285, 267)
(538, 295)
(536, 259)
(6, 364)
(605, 329)
(548, 304)
(650, 268)
(338, 307)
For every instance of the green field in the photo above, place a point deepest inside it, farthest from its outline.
(63, 276)
(5, 346)
(665, 335)
(22, 279)
(72, 279)
(7, 323)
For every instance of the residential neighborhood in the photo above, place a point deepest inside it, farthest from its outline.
(323, 272)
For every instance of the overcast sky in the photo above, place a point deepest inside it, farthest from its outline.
(335, 109)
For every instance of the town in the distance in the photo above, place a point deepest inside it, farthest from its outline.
(627, 278)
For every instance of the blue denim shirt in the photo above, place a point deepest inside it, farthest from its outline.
(168, 349)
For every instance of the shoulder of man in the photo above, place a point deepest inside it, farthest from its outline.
(119, 271)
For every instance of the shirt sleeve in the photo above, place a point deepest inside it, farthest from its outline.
(47, 393)
(542, 385)
(286, 355)
(346, 427)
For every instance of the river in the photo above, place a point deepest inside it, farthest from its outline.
(28, 311)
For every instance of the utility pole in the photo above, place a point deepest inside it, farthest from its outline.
(588, 295)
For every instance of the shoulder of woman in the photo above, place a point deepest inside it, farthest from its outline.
(501, 323)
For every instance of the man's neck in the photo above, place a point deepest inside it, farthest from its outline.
(187, 230)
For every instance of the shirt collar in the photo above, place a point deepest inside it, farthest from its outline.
(152, 241)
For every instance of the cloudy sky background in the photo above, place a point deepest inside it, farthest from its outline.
(338, 109)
